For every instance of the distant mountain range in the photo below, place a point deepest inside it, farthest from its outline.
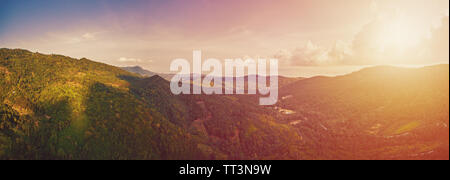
(146, 73)
(139, 70)
(57, 107)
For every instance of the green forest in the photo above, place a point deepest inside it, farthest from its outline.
(57, 107)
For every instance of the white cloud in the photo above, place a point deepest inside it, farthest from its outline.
(437, 46)
(88, 36)
(73, 38)
(341, 52)
(373, 6)
(314, 55)
(387, 39)
(129, 60)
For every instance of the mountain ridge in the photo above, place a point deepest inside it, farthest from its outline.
(57, 107)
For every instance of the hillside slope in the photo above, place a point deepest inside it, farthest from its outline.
(146, 73)
(56, 107)
(379, 112)
(139, 70)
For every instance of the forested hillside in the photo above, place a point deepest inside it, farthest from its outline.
(376, 113)
(145, 73)
(56, 107)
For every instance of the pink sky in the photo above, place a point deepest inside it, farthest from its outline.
(310, 37)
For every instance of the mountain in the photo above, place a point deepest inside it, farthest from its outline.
(57, 107)
(376, 113)
(146, 73)
(139, 70)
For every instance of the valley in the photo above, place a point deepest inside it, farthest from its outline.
(57, 107)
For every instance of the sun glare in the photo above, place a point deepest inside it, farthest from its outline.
(398, 36)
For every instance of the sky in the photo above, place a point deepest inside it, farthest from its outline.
(309, 37)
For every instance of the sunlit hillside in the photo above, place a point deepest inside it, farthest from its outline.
(380, 112)
(57, 107)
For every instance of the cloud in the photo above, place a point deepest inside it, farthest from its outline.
(367, 44)
(438, 44)
(341, 52)
(129, 60)
(74, 38)
(314, 55)
(388, 39)
(88, 36)
(308, 55)
(373, 6)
